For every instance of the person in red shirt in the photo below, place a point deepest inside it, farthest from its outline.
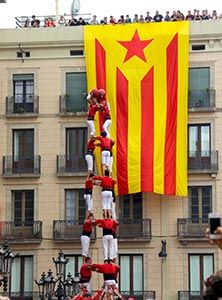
(85, 236)
(88, 194)
(110, 272)
(93, 108)
(107, 183)
(89, 154)
(104, 107)
(107, 241)
(106, 145)
(85, 275)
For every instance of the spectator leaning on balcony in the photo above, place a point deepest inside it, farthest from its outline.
(148, 18)
(141, 19)
(35, 22)
(72, 21)
(104, 21)
(94, 20)
(112, 20)
(158, 17)
(128, 19)
(62, 21)
(135, 19)
(189, 16)
(121, 20)
(167, 17)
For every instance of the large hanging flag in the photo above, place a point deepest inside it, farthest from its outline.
(144, 70)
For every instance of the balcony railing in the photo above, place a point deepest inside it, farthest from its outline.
(139, 295)
(188, 228)
(30, 106)
(64, 230)
(204, 161)
(69, 105)
(189, 295)
(70, 165)
(135, 229)
(19, 231)
(201, 100)
(20, 165)
(21, 295)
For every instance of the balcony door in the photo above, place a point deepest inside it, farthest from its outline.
(201, 266)
(23, 92)
(131, 274)
(199, 146)
(21, 283)
(23, 151)
(76, 139)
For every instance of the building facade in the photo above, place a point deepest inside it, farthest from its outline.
(43, 135)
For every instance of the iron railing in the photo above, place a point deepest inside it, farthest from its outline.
(21, 231)
(69, 230)
(13, 165)
(30, 106)
(70, 164)
(139, 295)
(203, 161)
(189, 295)
(135, 229)
(201, 99)
(191, 228)
(69, 105)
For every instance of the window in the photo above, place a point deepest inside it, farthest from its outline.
(76, 91)
(23, 207)
(74, 205)
(130, 206)
(131, 273)
(74, 264)
(201, 266)
(200, 199)
(76, 140)
(23, 92)
(199, 87)
(22, 276)
(23, 150)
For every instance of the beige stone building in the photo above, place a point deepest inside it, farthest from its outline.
(42, 145)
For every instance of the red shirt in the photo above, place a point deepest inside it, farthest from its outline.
(106, 182)
(85, 271)
(87, 226)
(91, 145)
(89, 184)
(106, 268)
(106, 223)
(105, 143)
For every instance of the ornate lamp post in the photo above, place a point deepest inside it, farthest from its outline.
(6, 261)
(60, 287)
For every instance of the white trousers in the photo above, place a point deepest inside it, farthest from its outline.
(107, 200)
(106, 127)
(91, 126)
(105, 155)
(115, 248)
(110, 164)
(107, 243)
(89, 162)
(89, 202)
(85, 242)
(113, 210)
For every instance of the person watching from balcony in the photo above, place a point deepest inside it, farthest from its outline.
(72, 21)
(94, 20)
(35, 22)
(62, 21)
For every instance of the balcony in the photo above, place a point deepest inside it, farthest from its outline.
(20, 166)
(21, 232)
(64, 230)
(71, 166)
(201, 100)
(29, 108)
(72, 107)
(203, 162)
(191, 229)
(187, 295)
(139, 295)
(134, 230)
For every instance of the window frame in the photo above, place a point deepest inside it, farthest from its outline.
(23, 221)
(78, 207)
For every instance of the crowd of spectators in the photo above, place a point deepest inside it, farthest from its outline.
(176, 15)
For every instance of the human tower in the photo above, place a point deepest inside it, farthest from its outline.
(98, 104)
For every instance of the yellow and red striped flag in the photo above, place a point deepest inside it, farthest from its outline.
(144, 70)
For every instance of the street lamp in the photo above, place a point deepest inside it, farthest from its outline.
(60, 287)
(6, 261)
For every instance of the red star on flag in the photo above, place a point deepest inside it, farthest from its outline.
(135, 47)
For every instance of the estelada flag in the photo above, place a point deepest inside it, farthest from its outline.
(144, 70)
